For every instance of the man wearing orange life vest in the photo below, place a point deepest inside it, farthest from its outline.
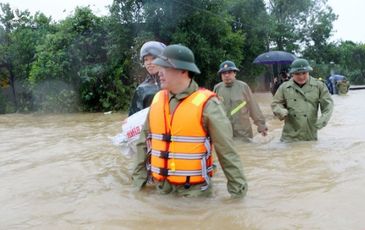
(183, 124)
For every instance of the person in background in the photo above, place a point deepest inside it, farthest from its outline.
(144, 93)
(297, 102)
(183, 125)
(283, 77)
(332, 84)
(239, 103)
(343, 86)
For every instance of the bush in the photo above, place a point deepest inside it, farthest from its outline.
(55, 97)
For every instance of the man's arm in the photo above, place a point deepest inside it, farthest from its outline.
(278, 104)
(140, 175)
(220, 131)
(326, 103)
(255, 111)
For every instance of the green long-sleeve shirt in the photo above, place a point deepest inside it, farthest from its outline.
(220, 132)
(299, 106)
(234, 95)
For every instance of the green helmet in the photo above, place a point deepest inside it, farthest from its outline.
(177, 57)
(300, 65)
(227, 66)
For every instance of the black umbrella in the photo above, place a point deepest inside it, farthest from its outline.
(275, 57)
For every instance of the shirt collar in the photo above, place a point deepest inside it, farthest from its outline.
(193, 86)
(310, 81)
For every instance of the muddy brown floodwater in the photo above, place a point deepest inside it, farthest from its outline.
(62, 172)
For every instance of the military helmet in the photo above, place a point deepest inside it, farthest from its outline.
(227, 66)
(300, 65)
(151, 48)
(177, 57)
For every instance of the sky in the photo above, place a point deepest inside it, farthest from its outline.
(351, 15)
(59, 9)
(347, 27)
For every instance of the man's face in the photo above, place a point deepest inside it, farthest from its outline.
(300, 78)
(152, 69)
(228, 77)
(169, 78)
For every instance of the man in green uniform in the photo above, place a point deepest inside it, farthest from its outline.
(177, 65)
(297, 102)
(239, 103)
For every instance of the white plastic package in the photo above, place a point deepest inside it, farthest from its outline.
(131, 129)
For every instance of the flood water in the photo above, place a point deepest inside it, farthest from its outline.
(62, 172)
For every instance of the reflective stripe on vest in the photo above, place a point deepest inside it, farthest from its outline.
(180, 148)
(163, 137)
(181, 173)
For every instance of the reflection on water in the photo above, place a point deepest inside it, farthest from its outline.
(61, 171)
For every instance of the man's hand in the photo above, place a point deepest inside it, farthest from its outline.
(264, 133)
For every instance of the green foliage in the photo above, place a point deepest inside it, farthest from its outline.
(298, 24)
(91, 63)
(101, 91)
(20, 33)
(78, 42)
(251, 17)
(203, 26)
(77, 55)
(55, 96)
(2, 104)
(352, 61)
(210, 48)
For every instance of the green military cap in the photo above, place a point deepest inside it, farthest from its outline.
(177, 57)
(227, 66)
(300, 65)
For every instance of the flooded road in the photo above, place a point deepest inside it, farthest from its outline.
(62, 172)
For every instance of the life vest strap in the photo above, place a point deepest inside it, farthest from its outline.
(171, 155)
(208, 146)
(167, 172)
(188, 139)
(169, 138)
(205, 172)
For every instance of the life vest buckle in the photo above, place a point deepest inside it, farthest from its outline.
(187, 184)
(164, 172)
(166, 137)
(164, 154)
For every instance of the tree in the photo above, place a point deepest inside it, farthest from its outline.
(352, 61)
(318, 33)
(73, 60)
(251, 17)
(298, 24)
(203, 26)
(21, 34)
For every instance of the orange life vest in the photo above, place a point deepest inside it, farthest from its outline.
(180, 147)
